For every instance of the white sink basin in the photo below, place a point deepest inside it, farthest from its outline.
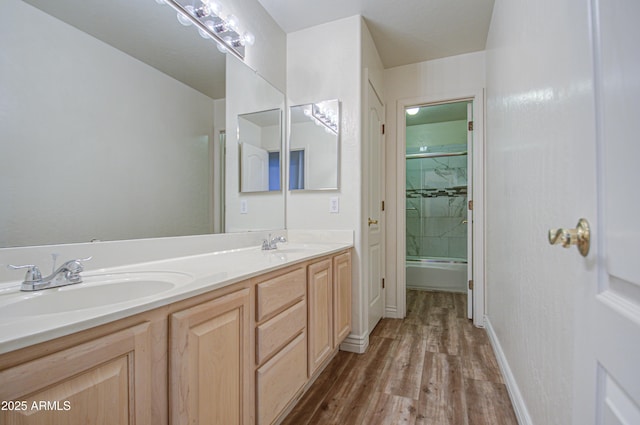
(95, 291)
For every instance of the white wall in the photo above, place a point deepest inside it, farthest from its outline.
(437, 134)
(539, 109)
(452, 76)
(103, 108)
(325, 62)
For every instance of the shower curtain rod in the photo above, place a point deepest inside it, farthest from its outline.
(433, 154)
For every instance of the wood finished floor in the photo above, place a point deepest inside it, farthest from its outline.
(433, 367)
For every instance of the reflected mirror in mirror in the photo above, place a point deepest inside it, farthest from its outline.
(262, 210)
(260, 140)
(314, 146)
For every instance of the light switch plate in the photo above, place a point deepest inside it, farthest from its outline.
(334, 204)
(244, 206)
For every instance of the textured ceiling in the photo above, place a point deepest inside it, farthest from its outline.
(405, 31)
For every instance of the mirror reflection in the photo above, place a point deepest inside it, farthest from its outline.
(259, 138)
(314, 146)
(109, 128)
(246, 208)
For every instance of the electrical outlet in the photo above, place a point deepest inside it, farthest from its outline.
(244, 206)
(334, 204)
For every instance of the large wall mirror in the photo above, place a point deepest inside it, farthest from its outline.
(110, 116)
(314, 146)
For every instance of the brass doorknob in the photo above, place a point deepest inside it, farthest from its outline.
(372, 221)
(580, 236)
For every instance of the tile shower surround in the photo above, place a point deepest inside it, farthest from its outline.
(436, 202)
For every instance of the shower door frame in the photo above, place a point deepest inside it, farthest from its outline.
(476, 152)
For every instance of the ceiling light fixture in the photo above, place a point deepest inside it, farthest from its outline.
(207, 17)
(412, 111)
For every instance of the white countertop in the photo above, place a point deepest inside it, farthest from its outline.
(197, 274)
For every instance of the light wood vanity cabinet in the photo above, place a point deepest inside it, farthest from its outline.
(242, 354)
(281, 341)
(341, 297)
(210, 364)
(329, 292)
(319, 288)
(106, 380)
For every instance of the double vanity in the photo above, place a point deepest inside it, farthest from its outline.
(226, 337)
(180, 161)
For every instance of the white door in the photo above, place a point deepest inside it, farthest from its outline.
(254, 164)
(375, 224)
(608, 355)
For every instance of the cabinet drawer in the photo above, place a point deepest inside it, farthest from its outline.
(276, 293)
(276, 332)
(280, 379)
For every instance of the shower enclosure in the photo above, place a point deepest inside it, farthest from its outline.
(436, 204)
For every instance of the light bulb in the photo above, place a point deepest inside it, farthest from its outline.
(203, 12)
(248, 38)
(183, 19)
(214, 6)
(222, 47)
(412, 111)
(232, 22)
(307, 112)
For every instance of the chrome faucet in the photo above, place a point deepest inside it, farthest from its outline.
(271, 243)
(66, 274)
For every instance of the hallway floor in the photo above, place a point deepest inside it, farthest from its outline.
(434, 367)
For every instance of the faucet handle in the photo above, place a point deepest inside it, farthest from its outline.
(77, 264)
(33, 272)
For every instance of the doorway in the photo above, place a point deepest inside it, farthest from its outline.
(440, 230)
(437, 182)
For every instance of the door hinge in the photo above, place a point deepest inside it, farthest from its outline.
(382, 205)
(382, 128)
(471, 285)
(471, 205)
(470, 125)
(383, 283)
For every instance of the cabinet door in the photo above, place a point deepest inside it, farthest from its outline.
(103, 381)
(279, 379)
(210, 362)
(341, 297)
(319, 293)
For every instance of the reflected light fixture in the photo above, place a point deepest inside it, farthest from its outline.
(211, 22)
(412, 111)
(323, 116)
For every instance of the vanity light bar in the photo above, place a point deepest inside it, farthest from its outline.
(208, 19)
(325, 117)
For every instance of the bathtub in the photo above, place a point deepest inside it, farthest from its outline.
(440, 274)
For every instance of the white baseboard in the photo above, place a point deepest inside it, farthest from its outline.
(355, 343)
(519, 406)
(391, 312)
